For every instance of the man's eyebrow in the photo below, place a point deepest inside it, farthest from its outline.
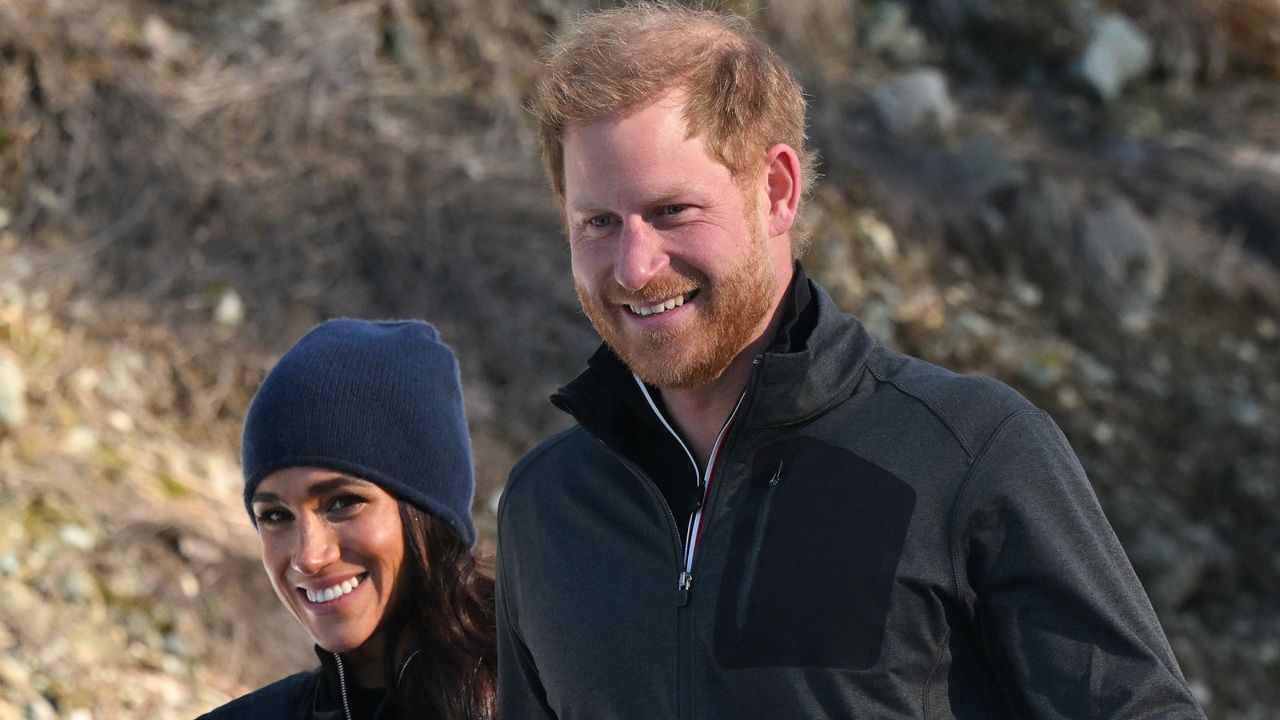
(320, 488)
(669, 196)
(665, 197)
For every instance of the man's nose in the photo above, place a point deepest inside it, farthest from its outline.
(316, 547)
(641, 254)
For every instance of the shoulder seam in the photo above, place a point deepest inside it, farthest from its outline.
(930, 405)
(517, 472)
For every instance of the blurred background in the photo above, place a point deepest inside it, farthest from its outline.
(1079, 197)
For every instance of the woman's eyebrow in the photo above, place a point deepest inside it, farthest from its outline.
(319, 488)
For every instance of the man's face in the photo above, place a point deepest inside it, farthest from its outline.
(670, 255)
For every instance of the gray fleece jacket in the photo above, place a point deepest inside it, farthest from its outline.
(881, 538)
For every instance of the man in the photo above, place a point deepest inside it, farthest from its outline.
(761, 513)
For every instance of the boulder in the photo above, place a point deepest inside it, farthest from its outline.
(1122, 261)
(890, 34)
(1117, 52)
(916, 102)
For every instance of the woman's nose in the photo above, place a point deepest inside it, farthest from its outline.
(316, 548)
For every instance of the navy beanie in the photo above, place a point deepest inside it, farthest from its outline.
(381, 401)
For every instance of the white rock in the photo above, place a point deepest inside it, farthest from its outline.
(914, 102)
(230, 310)
(890, 33)
(80, 441)
(165, 43)
(1117, 52)
(121, 421)
(76, 537)
(13, 392)
(879, 234)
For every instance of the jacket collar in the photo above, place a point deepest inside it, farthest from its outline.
(808, 373)
(327, 701)
(816, 361)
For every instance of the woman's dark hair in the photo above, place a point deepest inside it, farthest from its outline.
(446, 607)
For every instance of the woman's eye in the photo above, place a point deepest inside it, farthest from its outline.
(272, 516)
(345, 502)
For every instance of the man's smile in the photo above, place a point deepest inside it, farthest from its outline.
(671, 303)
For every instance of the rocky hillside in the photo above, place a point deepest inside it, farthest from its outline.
(1080, 197)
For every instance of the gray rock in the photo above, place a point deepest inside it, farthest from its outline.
(915, 102)
(889, 33)
(1175, 566)
(877, 317)
(1117, 52)
(1246, 412)
(976, 185)
(13, 392)
(1121, 260)
(1093, 372)
(980, 173)
(974, 324)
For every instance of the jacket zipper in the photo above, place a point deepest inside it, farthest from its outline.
(639, 474)
(762, 523)
(684, 653)
(684, 581)
(342, 679)
(342, 687)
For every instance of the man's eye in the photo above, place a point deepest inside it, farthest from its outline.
(600, 221)
(674, 209)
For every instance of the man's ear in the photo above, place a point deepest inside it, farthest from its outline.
(783, 182)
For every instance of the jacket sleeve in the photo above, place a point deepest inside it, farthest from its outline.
(520, 692)
(1066, 624)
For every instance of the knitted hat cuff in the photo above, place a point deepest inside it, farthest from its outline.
(463, 526)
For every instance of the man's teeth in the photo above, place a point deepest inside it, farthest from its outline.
(334, 592)
(645, 310)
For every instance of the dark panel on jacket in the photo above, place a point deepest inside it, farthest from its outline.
(812, 559)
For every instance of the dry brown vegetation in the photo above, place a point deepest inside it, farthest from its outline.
(186, 186)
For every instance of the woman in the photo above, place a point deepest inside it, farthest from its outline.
(358, 477)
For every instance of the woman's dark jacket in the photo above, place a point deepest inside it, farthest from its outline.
(314, 695)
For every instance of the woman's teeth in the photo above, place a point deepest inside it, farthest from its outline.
(671, 304)
(334, 592)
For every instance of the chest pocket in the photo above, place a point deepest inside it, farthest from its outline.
(812, 558)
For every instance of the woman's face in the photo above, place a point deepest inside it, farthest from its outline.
(332, 545)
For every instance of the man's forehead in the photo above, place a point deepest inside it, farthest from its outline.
(673, 100)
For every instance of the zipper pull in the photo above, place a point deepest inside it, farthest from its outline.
(686, 582)
(777, 475)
